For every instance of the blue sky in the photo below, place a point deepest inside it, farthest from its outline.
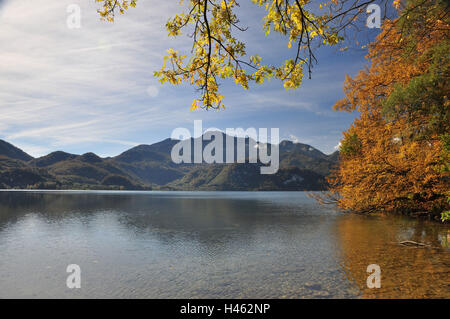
(92, 89)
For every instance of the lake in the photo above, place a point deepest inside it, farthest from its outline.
(211, 245)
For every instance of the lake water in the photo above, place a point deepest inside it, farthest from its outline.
(211, 245)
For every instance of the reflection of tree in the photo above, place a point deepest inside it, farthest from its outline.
(407, 272)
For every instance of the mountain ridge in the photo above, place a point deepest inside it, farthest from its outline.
(10, 151)
(149, 166)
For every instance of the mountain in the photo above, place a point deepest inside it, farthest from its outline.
(247, 177)
(52, 158)
(150, 153)
(151, 164)
(12, 152)
(306, 157)
(302, 167)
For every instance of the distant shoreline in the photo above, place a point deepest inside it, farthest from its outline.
(154, 191)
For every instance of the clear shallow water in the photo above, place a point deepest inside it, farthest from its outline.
(210, 245)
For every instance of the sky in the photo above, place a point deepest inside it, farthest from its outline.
(92, 88)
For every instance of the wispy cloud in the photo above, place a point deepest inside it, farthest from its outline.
(278, 98)
(93, 86)
(70, 85)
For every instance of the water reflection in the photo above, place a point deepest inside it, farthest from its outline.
(407, 271)
(208, 245)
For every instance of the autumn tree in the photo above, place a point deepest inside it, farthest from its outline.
(218, 53)
(395, 156)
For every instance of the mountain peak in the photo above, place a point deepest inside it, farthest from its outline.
(52, 158)
(90, 158)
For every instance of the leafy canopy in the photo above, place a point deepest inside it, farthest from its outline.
(218, 54)
(395, 156)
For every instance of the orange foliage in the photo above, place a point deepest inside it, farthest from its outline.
(392, 155)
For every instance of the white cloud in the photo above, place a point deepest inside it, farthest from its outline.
(278, 98)
(294, 138)
(72, 85)
(67, 88)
